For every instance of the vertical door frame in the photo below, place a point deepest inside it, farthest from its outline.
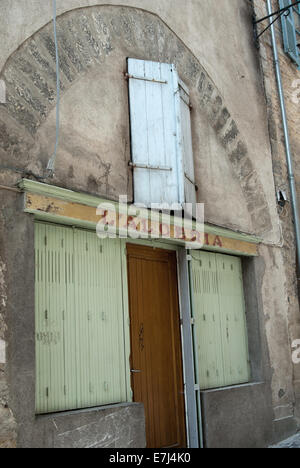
(194, 422)
(126, 322)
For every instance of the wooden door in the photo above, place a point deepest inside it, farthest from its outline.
(157, 373)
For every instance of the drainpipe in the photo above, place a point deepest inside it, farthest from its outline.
(291, 175)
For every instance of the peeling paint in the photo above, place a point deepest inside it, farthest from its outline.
(2, 92)
(2, 352)
(3, 296)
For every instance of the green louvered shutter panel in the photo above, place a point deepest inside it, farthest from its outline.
(233, 320)
(101, 377)
(207, 320)
(290, 39)
(221, 341)
(51, 300)
(79, 320)
(162, 150)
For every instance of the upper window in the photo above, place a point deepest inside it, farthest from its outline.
(162, 154)
(291, 30)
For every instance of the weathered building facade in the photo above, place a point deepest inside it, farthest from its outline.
(290, 76)
(239, 163)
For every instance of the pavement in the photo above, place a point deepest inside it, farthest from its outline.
(292, 442)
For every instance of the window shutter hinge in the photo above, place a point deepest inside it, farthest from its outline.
(143, 78)
(45, 240)
(46, 314)
(189, 179)
(47, 392)
(148, 166)
(189, 258)
(193, 321)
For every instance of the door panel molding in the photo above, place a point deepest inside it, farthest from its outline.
(156, 351)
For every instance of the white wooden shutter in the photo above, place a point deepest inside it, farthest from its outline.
(184, 141)
(160, 134)
(153, 132)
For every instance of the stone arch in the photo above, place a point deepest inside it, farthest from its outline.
(87, 36)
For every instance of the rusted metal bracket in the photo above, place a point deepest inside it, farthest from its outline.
(278, 15)
(142, 78)
(147, 166)
(192, 182)
(278, 12)
(11, 189)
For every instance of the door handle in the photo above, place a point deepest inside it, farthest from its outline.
(135, 371)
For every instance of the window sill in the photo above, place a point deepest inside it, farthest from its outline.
(232, 387)
(95, 409)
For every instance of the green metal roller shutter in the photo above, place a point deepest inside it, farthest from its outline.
(221, 341)
(80, 357)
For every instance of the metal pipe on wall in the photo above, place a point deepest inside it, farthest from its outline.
(291, 175)
(10, 189)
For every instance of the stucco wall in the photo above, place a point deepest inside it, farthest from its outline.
(7, 422)
(242, 408)
(284, 259)
(215, 54)
(232, 65)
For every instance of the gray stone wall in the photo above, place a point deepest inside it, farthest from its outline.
(112, 427)
(7, 421)
(238, 417)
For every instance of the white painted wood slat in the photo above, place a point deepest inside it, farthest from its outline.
(161, 134)
(187, 145)
(153, 132)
